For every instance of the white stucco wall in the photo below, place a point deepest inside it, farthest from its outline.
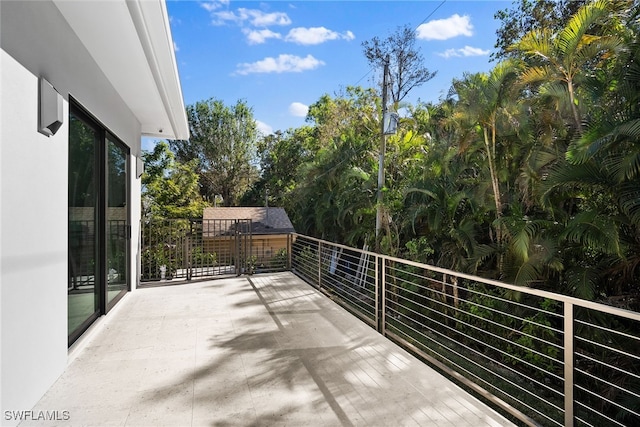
(33, 221)
(37, 41)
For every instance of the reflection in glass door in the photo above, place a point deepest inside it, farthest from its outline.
(98, 222)
(83, 295)
(117, 220)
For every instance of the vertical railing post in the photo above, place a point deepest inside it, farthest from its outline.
(568, 364)
(289, 249)
(383, 296)
(319, 264)
(187, 250)
(252, 261)
(376, 285)
(237, 248)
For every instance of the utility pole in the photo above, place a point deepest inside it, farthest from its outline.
(383, 148)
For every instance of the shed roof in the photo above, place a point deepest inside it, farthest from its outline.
(271, 220)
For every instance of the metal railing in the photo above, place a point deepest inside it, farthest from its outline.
(545, 358)
(182, 249)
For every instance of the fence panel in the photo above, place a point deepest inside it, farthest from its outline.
(180, 249)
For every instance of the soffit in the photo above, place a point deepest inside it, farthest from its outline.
(131, 42)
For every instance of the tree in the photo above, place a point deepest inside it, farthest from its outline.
(334, 196)
(526, 16)
(281, 155)
(406, 64)
(483, 105)
(223, 141)
(170, 189)
(560, 60)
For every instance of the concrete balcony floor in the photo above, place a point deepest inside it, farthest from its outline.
(249, 351)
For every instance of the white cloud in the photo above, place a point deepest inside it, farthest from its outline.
(175, 47)
(255, 17)
(212, 5)
(443, 29)
(464, 52)
(282, 64)
(315, 35)
(260, 36)
(298, 109)
(264, 128)
(261, 19)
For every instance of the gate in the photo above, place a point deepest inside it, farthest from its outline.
(183, 249)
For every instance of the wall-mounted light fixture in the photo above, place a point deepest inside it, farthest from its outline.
(50, 109)
(139, 167)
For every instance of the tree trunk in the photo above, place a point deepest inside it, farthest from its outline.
(491, 156)
(574, 107)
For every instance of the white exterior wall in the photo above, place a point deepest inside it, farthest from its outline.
(33, 222)
(36, 41)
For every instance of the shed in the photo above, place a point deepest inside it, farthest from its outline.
(266, 232)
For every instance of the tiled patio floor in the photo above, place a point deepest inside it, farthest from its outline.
(261, 351)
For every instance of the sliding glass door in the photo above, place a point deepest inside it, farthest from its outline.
(84, 204)
(98, 222)
(117, 220)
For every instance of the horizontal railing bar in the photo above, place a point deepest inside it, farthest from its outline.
(584, 422)
(612, 331)
(495, 297)
(544, 294)
(485, 319)
(483, 356)
(601, 363)
(590, 375)
(482, 330)
(600, 414)
(612, 349)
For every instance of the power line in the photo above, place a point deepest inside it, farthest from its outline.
(432, 12)
(415, 29)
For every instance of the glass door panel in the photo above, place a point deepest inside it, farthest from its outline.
(83, 277)
(117, 220)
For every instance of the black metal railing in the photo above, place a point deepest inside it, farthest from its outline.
(182, 249)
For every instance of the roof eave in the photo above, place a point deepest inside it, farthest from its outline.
(132, 44)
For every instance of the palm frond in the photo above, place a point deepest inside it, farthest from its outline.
(565, 176)
(571, 35)
(629, 200)
(595, 232)
(536, 43)
(533, 75)
(582, 282)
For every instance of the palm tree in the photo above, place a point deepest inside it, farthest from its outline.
(561, 61)
(483, 106)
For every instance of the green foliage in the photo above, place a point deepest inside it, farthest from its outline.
(170, 189)
(200, 258)
(528, 173)
(281, 259)
(222, 145)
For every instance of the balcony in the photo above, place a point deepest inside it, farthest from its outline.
(254, 350)
(341, 339)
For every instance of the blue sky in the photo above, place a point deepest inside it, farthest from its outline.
(282, 56)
